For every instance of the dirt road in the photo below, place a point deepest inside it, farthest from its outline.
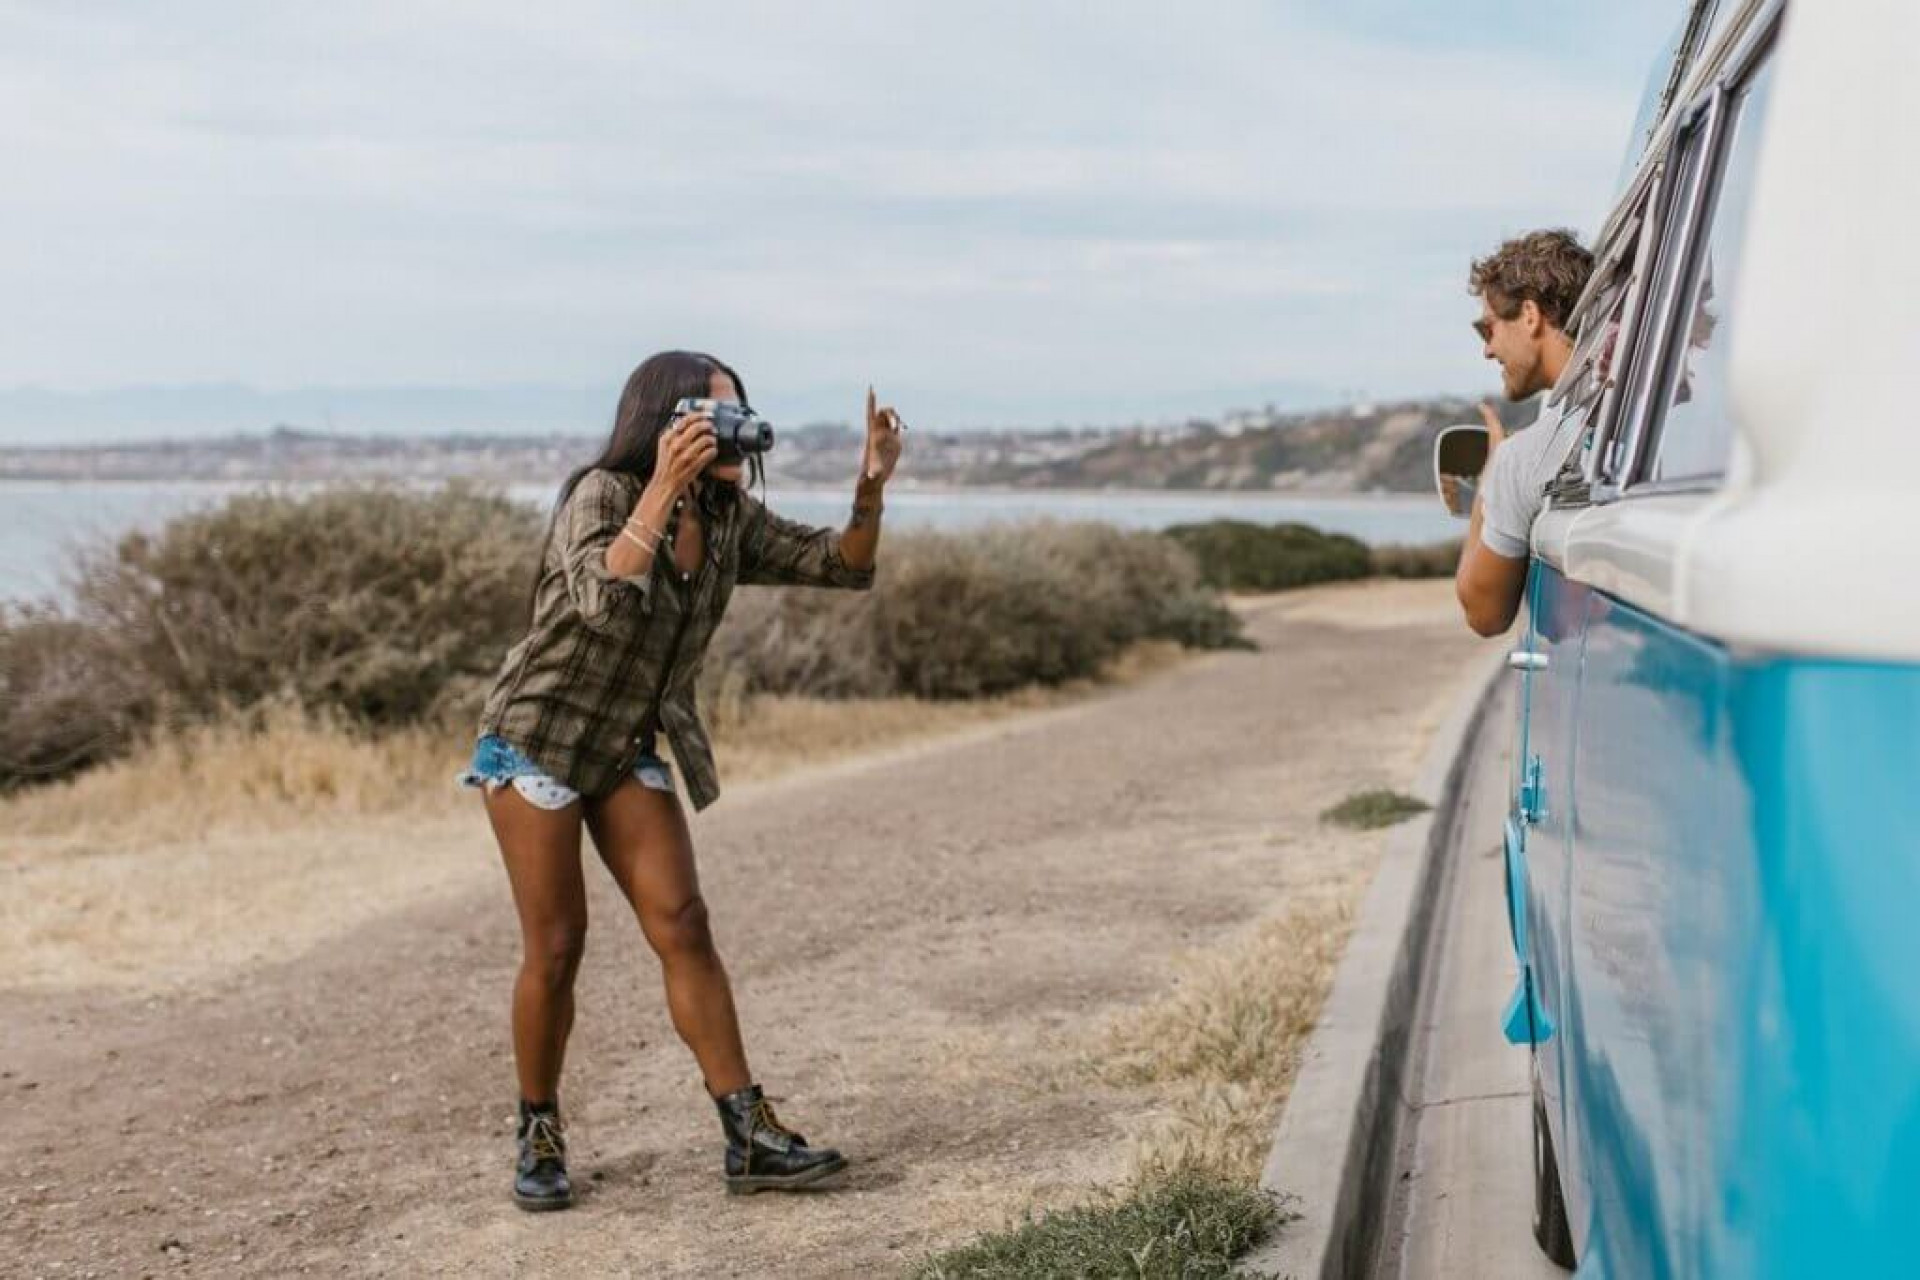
(924, 945)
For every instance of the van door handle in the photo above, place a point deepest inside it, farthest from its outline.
(1527, 660)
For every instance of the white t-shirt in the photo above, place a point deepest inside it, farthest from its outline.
(1514, 486)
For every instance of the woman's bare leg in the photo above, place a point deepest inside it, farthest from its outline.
(642, 836)
(541, 848)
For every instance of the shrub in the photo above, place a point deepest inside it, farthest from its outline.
(1238, 555)
(1433, 560)
(66, 702)
(383, 607)
(377, 603)
(968, 615)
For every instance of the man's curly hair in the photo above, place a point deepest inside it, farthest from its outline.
(1548, 268)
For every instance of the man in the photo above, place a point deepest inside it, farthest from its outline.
(1527, 289)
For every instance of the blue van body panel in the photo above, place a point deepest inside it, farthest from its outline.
(1542, 811)
(1725, 925)
(1824, 1066)
(1657, 903)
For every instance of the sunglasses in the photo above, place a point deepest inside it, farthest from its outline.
(1484, 326)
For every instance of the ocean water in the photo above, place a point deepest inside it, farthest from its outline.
(43, 525)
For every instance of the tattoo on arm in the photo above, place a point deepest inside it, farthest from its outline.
(863, 516)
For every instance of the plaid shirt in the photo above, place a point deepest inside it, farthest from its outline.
(609, 660)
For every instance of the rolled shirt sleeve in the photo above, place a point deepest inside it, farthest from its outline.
(596, 509)
(1513, 489)
(775, 551)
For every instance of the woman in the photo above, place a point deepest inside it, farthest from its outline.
(645, 546)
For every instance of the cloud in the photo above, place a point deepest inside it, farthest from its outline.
(959, 197)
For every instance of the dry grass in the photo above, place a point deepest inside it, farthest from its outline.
(265, 772)
(284, 768)
(1221, 1048)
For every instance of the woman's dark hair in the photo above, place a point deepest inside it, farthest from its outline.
(646, 407)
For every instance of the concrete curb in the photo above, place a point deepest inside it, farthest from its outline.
(1333, 1145)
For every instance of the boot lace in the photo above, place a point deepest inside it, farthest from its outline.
(546, 1140)
(763, 1118)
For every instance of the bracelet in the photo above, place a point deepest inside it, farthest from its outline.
(651, 548)
(658, 534)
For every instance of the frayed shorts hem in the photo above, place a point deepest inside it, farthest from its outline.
(498, 763)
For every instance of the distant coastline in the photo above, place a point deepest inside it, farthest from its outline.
(902, 485)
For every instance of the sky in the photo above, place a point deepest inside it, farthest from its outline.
(394, 215)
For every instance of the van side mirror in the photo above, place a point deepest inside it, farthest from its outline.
(1459, 456)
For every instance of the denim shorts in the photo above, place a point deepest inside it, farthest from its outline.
(497, 762)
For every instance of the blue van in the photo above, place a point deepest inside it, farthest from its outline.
(1713, 849)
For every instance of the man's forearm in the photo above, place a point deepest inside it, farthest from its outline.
(1488, 584)
(860, 540)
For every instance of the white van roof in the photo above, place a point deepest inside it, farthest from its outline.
(1813, 543)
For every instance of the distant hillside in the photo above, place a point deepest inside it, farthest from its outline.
(1360, 449)
(1386, 448)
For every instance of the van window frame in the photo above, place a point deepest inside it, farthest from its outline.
(1641, 227)
(1681, 219)
(1691, 160)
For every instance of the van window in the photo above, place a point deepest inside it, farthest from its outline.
(1691, 422)
(1695, 32)
(1653, 100)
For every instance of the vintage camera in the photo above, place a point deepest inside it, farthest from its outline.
(737, 429)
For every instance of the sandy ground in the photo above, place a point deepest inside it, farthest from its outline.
(925, 944)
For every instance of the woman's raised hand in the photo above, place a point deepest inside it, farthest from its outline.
(884, 442)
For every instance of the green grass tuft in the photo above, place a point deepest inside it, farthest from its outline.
(1183, 1227)
(1368, 810)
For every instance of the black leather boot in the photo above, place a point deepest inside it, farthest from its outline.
(540, 1177)
(765, 1155)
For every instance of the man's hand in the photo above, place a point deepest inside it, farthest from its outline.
(884, 443)
(1496, 433)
